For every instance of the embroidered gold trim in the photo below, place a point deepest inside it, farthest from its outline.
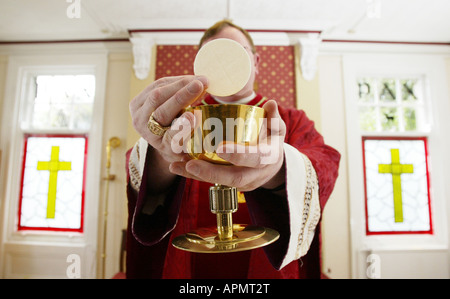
(135, 177)
(311, 185)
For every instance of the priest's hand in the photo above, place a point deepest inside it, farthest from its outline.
(164, 99)
(263, 166)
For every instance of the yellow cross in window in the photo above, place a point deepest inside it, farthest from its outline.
(54, 165)
(396, 169)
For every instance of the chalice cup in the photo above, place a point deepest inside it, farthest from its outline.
(231, 123)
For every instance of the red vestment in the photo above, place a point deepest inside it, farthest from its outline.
(149, 250)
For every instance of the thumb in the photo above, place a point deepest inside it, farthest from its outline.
(274, 121)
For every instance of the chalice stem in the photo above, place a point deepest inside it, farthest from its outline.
(225, 226)
(223, 203)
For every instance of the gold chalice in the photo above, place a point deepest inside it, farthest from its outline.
(239, 124)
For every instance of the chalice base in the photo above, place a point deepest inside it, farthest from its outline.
(206, 240)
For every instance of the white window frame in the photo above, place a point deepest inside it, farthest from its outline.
(419, 106)
(432, 67)
(22, 69)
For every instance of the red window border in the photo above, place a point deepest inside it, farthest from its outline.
(425, 140)
(53, 229)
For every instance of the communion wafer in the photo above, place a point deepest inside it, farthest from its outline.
(226, 64)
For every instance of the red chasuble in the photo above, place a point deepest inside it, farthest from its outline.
(150, 253)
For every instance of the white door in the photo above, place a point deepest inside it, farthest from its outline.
(397, 116)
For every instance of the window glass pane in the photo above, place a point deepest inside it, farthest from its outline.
(52, 192)
(409, 115)
(366, 87)
(389, 119)
(387, 90)
(391, 105)
(64, 102)
(368, 119)
(409, 90)
(397, 191)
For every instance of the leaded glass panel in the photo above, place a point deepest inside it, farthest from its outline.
(52, 191)
(396, 181)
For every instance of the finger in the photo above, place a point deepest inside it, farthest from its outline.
(139, 100)
(221, 174)
(180, 132)
(160, 91)
(275, 123)
(267, 152)
(146, 102)
(183, 97)
(239, 154)
(179, 168)
(168, 80)
(169, 90)
(244, 179)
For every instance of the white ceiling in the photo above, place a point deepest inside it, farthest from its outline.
(398, 20)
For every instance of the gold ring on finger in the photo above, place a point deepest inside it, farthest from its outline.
(155, 127)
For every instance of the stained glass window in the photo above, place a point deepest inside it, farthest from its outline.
(54, 157)
(52, 193)
(397, 185)
(391, 104)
